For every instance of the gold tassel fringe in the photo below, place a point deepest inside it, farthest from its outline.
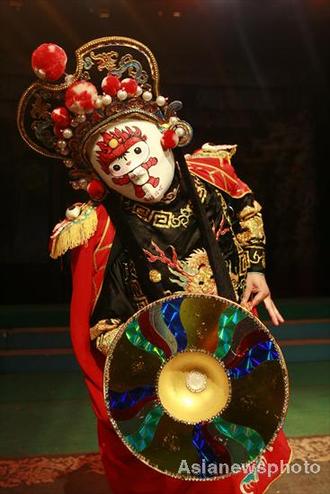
(73, 233)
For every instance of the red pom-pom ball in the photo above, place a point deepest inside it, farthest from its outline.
(96, 190)
(129, 85)
(61, 116)
(110, 85)
(169, 139)
(81, 97)
(49, 61)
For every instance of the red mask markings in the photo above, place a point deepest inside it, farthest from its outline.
(114, 144)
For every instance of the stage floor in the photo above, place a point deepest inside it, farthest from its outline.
(48, 440)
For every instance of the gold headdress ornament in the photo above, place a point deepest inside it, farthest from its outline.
(115, 77)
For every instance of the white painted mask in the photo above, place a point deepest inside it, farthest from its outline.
(130, 159)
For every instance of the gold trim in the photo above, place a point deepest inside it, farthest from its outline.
(163, 219)
(97, 250)
(128, 42)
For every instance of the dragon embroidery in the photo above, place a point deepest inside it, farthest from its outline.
(192, 274)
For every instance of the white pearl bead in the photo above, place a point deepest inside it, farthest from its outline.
(98, 102)
(81, 118)
(68, 163)
(147, 96)
(160, 100)
(67, 133)
(173, 120)
(40, 73)
(75, 185)
(106, 99)
(139, 91)
(73, 212)
(180, 132)
(82, 183)
(61, 144)
(69, 79)
(122, 94)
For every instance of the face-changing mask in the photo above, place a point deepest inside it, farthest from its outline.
(130, 159)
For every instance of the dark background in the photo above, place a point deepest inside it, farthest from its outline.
(251, 72)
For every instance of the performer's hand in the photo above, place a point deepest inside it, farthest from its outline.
(256, 291)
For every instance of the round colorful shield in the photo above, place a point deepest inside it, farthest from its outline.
(195, 384)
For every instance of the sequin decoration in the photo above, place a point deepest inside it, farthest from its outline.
(227, 325)
(247, 437)
(162, 329)
(205, 453)
(143, 437)
(262, 352)
(134, 335)
(171, 315)
(130, 398)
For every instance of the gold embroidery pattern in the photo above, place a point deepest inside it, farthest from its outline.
(253, 230)
(104, 341)
(251, 224)
(168, 219)
(131, 279)
(163, 219)
(237, 276)
(40, 108)
(243, 262)
(256, 255)
(97, 268)
(105, 60)
(200, 188)
(104, 326)
(249, 211)
(193, 274)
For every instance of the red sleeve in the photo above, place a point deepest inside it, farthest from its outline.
(90, 360)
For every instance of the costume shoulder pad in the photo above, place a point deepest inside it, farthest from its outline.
(212, 163)
(79, 226)
(216, 151)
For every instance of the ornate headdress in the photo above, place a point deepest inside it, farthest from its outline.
(115, 77)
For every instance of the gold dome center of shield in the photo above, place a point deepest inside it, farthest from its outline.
(193, 387)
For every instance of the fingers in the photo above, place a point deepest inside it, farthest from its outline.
(256, 289)
(273, 312)
(246, 294)
(280, 318)
(259, 296)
